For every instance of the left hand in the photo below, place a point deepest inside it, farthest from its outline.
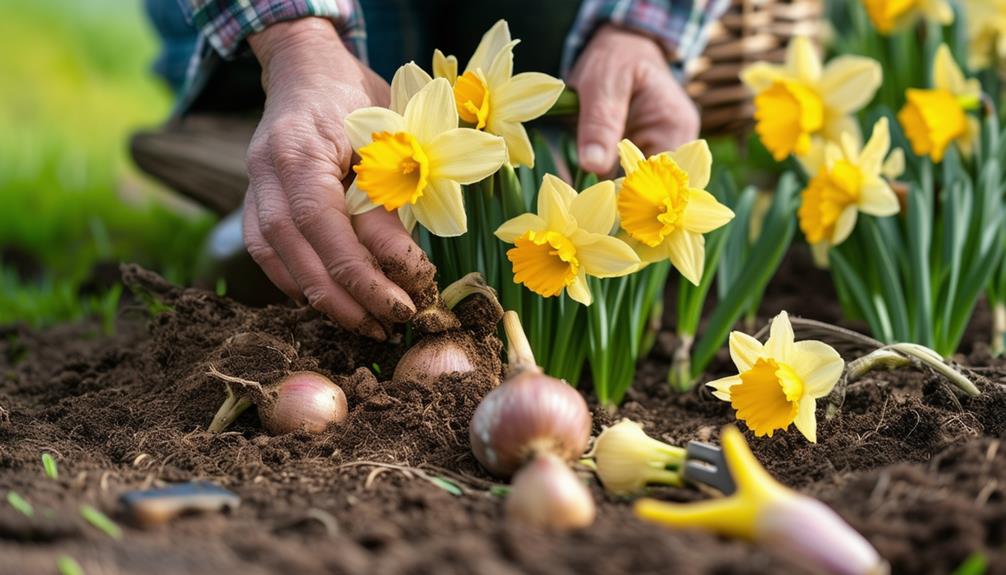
(627, 90)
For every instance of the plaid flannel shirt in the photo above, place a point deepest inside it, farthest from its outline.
(679, 26)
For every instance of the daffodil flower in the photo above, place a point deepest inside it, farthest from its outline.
(627, 459)
(892, 15)
(490, 97)
(770, 514)
(800, 101)
(567, 240)
(934, 118)
(848, 181)
(664, 208)
(779, 382)
(986, 31)
(416, 161)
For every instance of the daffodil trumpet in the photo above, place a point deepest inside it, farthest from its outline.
(769, 514)
(626, 459)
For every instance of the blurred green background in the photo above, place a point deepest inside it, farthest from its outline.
(75, 81)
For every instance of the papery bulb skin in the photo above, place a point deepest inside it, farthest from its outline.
(529, 413)
(547, 494)
(303, 400)
(812, 533)
(433, 357)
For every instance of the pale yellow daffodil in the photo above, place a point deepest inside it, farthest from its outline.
(801, 101)
(415, 161)
(490, 97)
(567, 240)
(986, 32)
(892, 15)
(664, 208)
(934, 118)
(849, 180)
(770, 514)
(779, 382)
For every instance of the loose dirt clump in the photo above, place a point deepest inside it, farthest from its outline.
(916, 468)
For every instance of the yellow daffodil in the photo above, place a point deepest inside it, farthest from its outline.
(627, 459)
(567, 240)
(416, 161)
(799, 101)
(490, 97)
(779, 382)
(848, 181)
(891, 15)
(934, 118)
(664, 208)
(986, 31)
(770, 514)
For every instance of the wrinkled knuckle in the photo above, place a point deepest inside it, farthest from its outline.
(349, 271)
(318, 297)
(306, 213)
(274, 228)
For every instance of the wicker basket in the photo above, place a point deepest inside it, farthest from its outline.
(750, 31)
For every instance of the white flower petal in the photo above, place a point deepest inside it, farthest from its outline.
(878, 199)
(441, 209)
(818, 365)
(518, 145)
(595, 208)
(465, 155)
(629, 155)
(845, 224)
(525, 97)
(723, 385)
(745, 350)
(687, 253)
(431, 111)
(517, 227)
(850, 82)
(802, 60)
(704, 213)
(490, 45)
(357, 200)
(579, 290)
(501, 69)
(696, 160)
(363, 123)
(408, 81)
(604, 256)
(554, 200)
(806, 419)
(780, 340)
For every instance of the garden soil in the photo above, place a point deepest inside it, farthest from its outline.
(915, 467)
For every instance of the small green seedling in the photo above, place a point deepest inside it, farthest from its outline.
(67, 565)
(20, 504)
(376, 368)
(101, 521)
(447, 485)
(975, 564)
(49, 465)
(221, 287)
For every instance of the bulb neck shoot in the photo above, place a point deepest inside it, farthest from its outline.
(230, 409)
(519, 354)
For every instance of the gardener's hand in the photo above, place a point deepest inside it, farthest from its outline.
(627, 90)
(295, 221)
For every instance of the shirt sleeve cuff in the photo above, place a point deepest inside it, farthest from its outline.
(226, 23)
(679, 26)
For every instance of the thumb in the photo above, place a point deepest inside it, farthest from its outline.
(604, 104)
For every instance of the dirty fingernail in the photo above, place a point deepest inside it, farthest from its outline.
(593, 155)
(402, 310)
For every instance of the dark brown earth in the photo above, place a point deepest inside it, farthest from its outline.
(919, 470)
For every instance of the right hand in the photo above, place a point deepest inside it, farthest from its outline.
(296, 226)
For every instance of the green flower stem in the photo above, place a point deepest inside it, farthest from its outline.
(231, 408)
